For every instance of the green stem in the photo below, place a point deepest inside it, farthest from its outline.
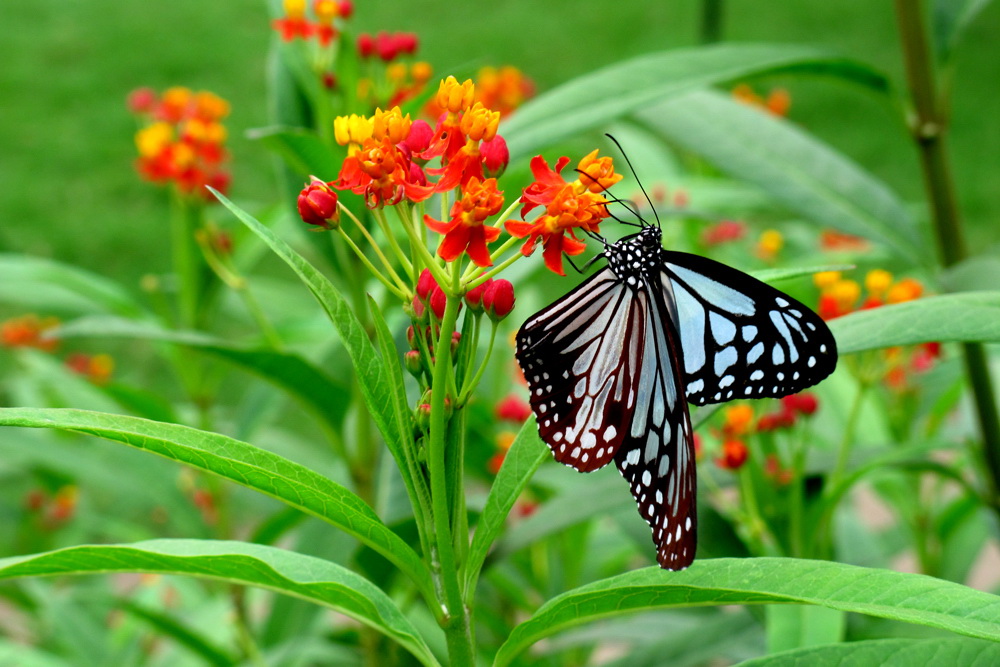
(844, 452)
(711, 21)
(470, 385)
(187, 269)
(371, 267)
(929, 126)
(456, 618)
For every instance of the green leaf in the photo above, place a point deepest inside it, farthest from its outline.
(911, 598)
(46, 285)
(369, 367)
(949, 22)
(964, 317)
(244, 464)
(594, 100)
(790, 273)
(887, 653)
(300, 378)
(302, 150)
(313, 579)
(791, 626)
(180, 633)
(802, 173)
(526, 453)
(416, 488)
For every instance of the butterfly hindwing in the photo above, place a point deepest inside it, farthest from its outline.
(580, 357)
(742, 338)
(657, 456)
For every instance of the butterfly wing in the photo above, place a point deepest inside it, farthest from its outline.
(740, 337)
(581, 357)
(657, 455)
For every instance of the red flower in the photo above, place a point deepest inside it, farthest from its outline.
(382, 173)
(513, 408)
(804, 403)
(474, 297)
(734, 455)
(724, 231)
(465, 232)
(498, 299)
(568, 206)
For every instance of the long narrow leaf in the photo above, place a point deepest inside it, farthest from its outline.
(887, 653)
(368, 366)
(964, 317)
(526, 453)
(244, 464)
(311, 386)
(804, 174)
(313, 579)
(911, 598)
(594, 100)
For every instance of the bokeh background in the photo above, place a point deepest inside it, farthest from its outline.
(67, 188)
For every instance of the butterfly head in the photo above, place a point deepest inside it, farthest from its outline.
(635, 258)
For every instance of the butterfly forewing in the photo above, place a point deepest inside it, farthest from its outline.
(657, 456)
(580, 357)
(742, 338)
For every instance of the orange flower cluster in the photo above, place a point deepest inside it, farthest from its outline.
(568, 206)
(777, 103)
(182, 140)
(29, 331)
(840, 296)
(831, 240)
(97, 367)
(740, 423)
(296, 24)
(501, 89)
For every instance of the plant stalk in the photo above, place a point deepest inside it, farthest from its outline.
(929, 126)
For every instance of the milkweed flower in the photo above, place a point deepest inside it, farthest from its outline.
(568, 206)
(183, 140)
(29, 331)
(734, 455)
(465, 232)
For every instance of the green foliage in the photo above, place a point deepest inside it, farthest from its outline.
(438, 553)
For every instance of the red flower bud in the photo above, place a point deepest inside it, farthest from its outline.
(141, 100)
(437, 302)
(425, 284)
(406, 42)
(734, 455)
(423, 415)
(495, 156)
(513, 408)
(329, 80)
(317, 205)
(345, 8)
(386, 46)
(419, 138)
(474, 297)
(804, 403)
(366, 45)
(413, 362)
(498, 299)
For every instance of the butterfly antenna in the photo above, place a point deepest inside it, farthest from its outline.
(624, 203)
(573, 264)
(632, 169)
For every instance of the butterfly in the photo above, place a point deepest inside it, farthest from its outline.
(613, 364)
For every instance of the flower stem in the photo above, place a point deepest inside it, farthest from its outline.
(928, 127)
(456, 622)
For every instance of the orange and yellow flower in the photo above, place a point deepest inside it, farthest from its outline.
(465, 231)
(569, 206)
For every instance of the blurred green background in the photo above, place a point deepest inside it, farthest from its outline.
(69, 190)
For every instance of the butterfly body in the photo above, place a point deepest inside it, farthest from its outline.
(612, 365)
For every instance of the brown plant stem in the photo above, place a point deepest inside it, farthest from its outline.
(928, 125)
